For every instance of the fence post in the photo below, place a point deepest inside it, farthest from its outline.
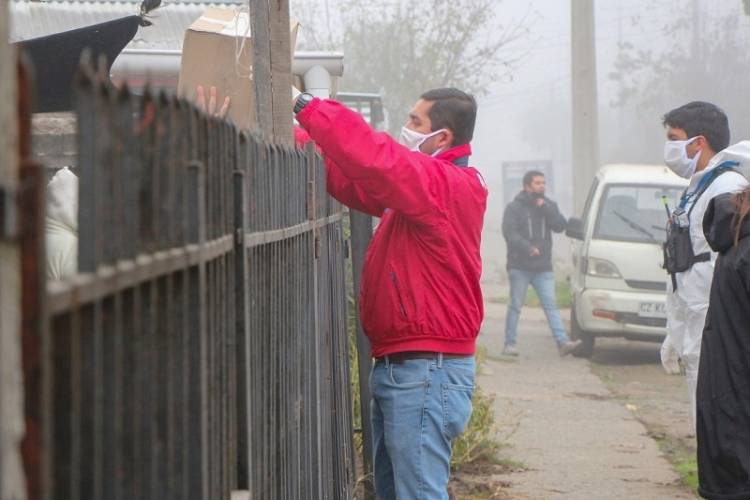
(198, 406)
(242, 319)
(311, 215)
(33, 291)
(361, 228)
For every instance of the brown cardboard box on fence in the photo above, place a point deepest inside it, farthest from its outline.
(218, 52)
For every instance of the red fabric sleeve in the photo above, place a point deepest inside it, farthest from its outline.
(339, 186)
(409, 182)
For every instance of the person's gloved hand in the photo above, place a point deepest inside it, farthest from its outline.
(670, 359)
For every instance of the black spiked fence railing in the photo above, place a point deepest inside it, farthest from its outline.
(202, 346)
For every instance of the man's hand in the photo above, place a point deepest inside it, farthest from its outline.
(200, 101)
(535, 252)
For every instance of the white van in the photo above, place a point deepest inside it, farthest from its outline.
(618, 286)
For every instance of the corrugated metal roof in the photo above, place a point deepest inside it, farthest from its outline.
(34, 19)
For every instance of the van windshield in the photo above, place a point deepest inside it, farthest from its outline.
(635, 213)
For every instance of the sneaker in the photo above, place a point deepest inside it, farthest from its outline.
(568, 347)
(510, 350)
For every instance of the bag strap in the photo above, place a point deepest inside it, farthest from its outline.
(703, 257)
(706, 181)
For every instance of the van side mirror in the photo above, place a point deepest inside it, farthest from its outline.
(575, 229)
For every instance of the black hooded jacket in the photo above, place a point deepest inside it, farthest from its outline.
(723, 393)
(526, 225)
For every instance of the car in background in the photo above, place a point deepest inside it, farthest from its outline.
(618, 285)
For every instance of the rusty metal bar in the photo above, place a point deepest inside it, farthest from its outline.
(276, 235)
(201, 347)
(88, 287)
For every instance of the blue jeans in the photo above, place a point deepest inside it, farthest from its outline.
(418, 407)
(544, 285)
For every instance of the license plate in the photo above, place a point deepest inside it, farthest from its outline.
(652, 310)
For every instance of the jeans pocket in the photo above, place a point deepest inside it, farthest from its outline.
(456, 408)
(410, 373)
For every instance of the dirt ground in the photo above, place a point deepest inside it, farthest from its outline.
(632, 371)
(611, 427)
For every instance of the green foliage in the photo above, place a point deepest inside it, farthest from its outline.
(354, 372)
(480, 438)
(697, 56)
(688, 471)
(562, 293)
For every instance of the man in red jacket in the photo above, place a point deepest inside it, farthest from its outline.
(420, 300)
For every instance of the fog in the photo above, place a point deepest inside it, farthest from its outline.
(694, 50)
(652, 56)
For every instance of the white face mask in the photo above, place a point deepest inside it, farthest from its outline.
(676, 158)
(414, 140)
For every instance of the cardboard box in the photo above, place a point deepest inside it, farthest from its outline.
(218, 52)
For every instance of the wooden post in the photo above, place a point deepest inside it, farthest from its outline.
(272, 68)
(281, 71)
(262, 66)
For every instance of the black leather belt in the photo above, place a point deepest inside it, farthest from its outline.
(400, 357)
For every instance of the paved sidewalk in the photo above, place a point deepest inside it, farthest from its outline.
(577, 441)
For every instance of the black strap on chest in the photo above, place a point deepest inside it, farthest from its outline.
(678, 248)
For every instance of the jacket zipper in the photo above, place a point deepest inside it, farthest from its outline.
(398, 292)
(531, 227)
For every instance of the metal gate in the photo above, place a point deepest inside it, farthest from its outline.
(202, 346)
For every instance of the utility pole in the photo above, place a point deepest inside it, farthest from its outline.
(585, 112)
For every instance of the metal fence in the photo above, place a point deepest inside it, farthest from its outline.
(202, 346)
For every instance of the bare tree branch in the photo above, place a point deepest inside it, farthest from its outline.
(402, 48)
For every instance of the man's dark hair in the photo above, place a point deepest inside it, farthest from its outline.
(454, 110)
(701, 118)
(528, 177)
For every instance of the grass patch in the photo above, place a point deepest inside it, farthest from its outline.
(679, 452)
(688, 471)
(682, 457)
(510, 464)
(562, 295)
(479, 439)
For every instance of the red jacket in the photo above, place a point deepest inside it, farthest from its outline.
(420, 284)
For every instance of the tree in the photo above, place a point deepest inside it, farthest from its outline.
(704, 59)
(401, 48)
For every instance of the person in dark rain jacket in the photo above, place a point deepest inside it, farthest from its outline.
(528, 224)
(723, 393)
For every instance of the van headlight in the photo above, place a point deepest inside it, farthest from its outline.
(602, 268)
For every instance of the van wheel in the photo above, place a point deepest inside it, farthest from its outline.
(586, 349)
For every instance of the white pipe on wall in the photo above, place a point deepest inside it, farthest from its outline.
(318, 82)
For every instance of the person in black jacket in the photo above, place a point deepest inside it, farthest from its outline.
(723, 393)
(528, 224)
